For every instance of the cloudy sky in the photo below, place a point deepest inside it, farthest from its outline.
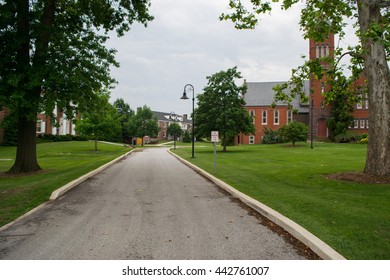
(186, 42)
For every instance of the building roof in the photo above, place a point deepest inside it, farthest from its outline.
(262, 94)
(166, 117)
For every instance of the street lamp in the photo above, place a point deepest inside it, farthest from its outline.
(193, 115)
(174, 116)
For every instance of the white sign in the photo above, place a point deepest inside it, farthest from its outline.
(214, 136)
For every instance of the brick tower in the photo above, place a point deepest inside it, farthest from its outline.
(320, 112)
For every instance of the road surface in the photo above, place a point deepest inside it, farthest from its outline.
(147, 206)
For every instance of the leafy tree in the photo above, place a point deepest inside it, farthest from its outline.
(53, 53)
(294, 132)
(125, 113)
(187, 137)
(144, 123)
(174, 130)
(101, 121)
(220, 107)
(10, 127)
(322, 17)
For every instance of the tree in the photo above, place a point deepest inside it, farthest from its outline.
(144, 123)
(220, 107)
(174, 130)
(125, 113)
(294, 132)
(53, 54)
(101, 121)
(372, 17)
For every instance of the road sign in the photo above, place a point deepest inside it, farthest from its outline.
(214, 136)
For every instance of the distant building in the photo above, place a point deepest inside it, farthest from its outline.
(259, 99)
(45, 125)
(165, 119)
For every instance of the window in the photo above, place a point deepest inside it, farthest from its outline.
(355, 124)
(276, 117)
(366, 104)
(367, 123)
(362, 122)
(359, 106)
(252, 139)
(39, 126)
(289, 116)
(252, 113)
(264, 117)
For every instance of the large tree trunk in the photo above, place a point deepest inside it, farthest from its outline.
(378, 82)
(26, 155)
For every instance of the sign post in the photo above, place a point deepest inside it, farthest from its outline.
(215, 140)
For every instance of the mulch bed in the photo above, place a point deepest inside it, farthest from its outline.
(359, 177)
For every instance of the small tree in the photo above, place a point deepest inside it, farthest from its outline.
(174, 130)
(187, 137)
(143, 123)
(294, 132)
(100, 120)
(125, 113)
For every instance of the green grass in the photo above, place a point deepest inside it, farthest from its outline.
(61, 162)
(353, 218)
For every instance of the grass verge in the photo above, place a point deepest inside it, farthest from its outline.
(353, 218)
(61, 162)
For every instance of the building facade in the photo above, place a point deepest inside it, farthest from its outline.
(165, 119)
(259, 100)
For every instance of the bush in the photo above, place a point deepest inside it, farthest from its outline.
(187, 137)
(294, 132)
(271, 136)
(364, 138)
(348, 137)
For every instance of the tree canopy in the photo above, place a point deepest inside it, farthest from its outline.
(144, 123)
(52, 53)
(101, 121)
(220, 107)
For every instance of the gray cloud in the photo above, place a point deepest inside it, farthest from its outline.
(186, 42)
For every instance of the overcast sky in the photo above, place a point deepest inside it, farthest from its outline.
(186, 42)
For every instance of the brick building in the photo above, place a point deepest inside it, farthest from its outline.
(165, 119)
(260, 97)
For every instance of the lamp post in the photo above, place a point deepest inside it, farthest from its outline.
(174, 116)
(193, 115)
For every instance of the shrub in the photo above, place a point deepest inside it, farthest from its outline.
(294, 132)
(347, 137)
(187, 137)
(271, 136)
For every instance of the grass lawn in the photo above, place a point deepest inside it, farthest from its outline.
(353, 218)
(61, 162)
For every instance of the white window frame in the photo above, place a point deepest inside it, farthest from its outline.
(366, 123)
(276, 117)
(264, 115)
(251, 139)
(289, 116)
(355, 124)
(362, 122)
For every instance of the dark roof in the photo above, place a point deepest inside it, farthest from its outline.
(162, 116)
(262, 94)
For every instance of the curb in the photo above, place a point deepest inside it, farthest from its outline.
(61, 191)
(319, 247)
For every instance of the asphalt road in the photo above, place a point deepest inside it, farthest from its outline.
(147, 206)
